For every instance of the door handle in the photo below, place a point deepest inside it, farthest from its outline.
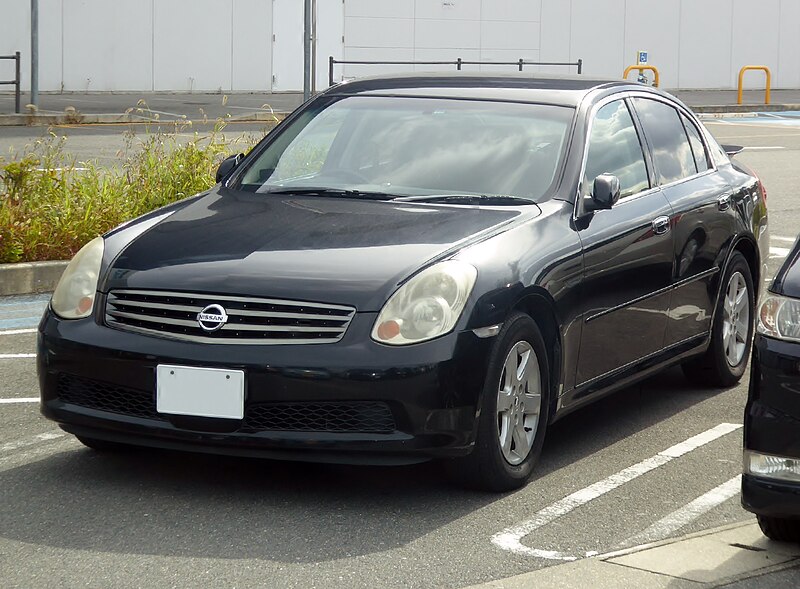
(724, 202)
(660, 225)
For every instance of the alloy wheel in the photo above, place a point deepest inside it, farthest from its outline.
(736, 319)
(519, 400)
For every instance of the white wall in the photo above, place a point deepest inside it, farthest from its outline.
(212, 45)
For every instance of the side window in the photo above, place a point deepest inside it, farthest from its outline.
(672, 153)
(698, 149)
(614, 148)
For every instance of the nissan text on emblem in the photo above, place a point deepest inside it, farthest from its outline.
(212, 318)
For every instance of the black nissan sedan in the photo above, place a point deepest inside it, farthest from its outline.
(771, 480)
(416, 267)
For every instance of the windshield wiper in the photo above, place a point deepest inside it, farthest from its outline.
(496, 199)
(335, 192)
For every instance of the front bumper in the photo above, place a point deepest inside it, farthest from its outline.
(353, 401)
(772, 425)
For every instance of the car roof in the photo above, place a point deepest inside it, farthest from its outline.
(566, 90)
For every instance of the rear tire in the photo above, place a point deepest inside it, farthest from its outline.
(725, 361)
(778, 529)
(514, 412)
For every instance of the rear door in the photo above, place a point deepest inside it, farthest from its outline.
(702, 221)
(627, 251)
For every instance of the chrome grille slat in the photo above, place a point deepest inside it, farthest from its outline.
(250, 320)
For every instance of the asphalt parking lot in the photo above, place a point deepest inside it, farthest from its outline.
(656, 460)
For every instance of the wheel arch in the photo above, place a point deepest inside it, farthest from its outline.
(539, 306)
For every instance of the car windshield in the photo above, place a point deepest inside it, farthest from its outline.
(383, 147)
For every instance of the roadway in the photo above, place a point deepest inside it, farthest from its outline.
(656, 460)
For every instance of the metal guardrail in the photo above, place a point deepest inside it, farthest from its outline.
(458, 63)
(15, 81)
(746, 68)
(642, 68)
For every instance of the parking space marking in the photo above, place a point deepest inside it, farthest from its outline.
(778, 252)
(781, 238)
(19, 400)
(37, 453)
(686, 514)
(16, 331)
(510, 538)
(11, 356)
(45, 437)
(763, 148)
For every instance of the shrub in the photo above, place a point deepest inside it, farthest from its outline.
(50, 204)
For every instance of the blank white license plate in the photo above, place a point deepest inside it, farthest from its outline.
(201, 392)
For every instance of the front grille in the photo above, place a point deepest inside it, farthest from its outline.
(250, 320)
(352, 417)
(106, 397)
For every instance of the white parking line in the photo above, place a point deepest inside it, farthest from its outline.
(510, 538)
(687, 514)
(19, 400)
(8, 446)
(781, 238)
(779, 252)
(764, 148)
(11, 356)
(16, 331)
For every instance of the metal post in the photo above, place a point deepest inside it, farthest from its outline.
(458, 64)
(330, 70)
(520, 64)
(580, 66)
(35, 52)
(313, 46)
(17, 60)
(307, 50)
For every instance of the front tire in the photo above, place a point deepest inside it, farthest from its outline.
(514, 411)
(779, 529)
(725, 361)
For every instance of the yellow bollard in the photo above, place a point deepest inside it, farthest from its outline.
(763, 68)
(641, 68)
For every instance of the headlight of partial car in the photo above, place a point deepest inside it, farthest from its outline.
(426, 306)
(779, 317)
(75, 293)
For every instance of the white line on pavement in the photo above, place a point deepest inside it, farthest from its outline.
(16, 331)
(8, 446)
(779, 252)
(687, 514)
(36, 453)
(764, 148)
(20, 400)
(11, 356)
(781, 238)
(510, 538)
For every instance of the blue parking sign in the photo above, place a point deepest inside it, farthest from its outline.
(642, 57)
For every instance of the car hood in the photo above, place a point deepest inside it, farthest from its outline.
(330, 250)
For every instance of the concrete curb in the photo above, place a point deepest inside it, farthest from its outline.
(743, 108)
(77, 118)
(32, 277)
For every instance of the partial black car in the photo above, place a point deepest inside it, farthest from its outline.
(771, 480)
(412, 268)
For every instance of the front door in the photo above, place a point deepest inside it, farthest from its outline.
(627, 252)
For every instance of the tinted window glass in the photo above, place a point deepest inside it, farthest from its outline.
(614, 148)
(664, 130)
(698, 149)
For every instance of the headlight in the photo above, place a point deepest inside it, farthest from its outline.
(426, 306)
(779, 317)
(74, 295)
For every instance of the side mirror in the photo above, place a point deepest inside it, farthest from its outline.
(605, 193)
(228, 165)
(732, 150)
